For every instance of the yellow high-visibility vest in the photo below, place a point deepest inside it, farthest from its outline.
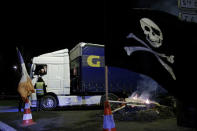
(40, 88)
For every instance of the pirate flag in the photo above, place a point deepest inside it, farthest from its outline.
(155, 44)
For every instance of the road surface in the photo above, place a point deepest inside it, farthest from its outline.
(82, 120)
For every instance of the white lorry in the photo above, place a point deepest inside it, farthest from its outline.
(78, 77)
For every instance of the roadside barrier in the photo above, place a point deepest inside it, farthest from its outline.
(27, 116)
(108, 122)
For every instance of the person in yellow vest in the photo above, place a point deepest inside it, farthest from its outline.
(40, 90)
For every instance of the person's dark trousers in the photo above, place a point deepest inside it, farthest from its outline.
(38, 103)
(20, 104)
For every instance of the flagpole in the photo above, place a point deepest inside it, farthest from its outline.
(106, 82)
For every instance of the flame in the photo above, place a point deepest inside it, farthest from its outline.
(140, 99)
(147, 101)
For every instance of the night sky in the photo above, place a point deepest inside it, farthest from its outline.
(37, 28)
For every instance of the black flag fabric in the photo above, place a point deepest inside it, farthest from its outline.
(156, 44)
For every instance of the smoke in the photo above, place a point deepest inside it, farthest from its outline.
(169, 6)
(147, 88)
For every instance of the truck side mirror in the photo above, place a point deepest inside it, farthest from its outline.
(33, 67)
(32, 70)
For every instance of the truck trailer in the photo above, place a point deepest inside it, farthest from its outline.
(78, 77)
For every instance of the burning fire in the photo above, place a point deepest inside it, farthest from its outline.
(140, 99)
(147, 101)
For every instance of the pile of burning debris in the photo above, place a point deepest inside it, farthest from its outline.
(141, 109)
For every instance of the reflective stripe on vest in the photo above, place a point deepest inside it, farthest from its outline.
(40, 88)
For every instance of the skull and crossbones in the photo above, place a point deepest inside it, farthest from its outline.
(154, 37)
(153, 33)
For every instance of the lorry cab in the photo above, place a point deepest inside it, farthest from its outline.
(56, 76)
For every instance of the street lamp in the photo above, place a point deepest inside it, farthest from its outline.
(15, 67)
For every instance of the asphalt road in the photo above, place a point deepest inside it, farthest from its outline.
(83, 120)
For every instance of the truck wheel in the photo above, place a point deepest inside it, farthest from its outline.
(48, 102)
(111, 96)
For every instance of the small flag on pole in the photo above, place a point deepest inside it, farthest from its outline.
(25, 86)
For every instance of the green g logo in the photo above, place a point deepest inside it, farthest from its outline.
(94, 61)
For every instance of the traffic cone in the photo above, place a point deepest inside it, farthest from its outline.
(27, 116)
(108, 122)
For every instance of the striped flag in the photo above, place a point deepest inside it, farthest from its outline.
(25, 86)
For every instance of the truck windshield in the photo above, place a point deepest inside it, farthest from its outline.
(40, 69)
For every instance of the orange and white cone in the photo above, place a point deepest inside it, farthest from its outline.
(108, 121)
(27, 116)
